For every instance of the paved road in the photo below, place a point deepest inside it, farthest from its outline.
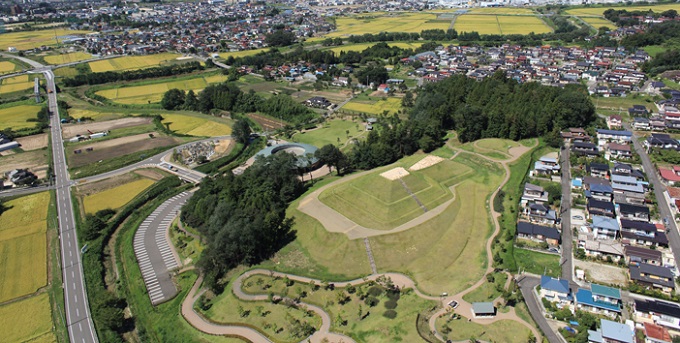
(78, 319)
(25, 190)
(567, 239)
(526, 286)
(153, 249)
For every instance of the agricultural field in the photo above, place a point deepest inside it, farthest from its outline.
(153, 93)
(374, 107)
(501, 10)
(500, 24)
(65, 72)
(17, 84)
(399, 22)
(16, 117)
(597, 11)
(598, 22)
(26, 40)
(364, 46)
(501, 331)
(67, 58)
(23, 246)
(7, 67)
(94, 113)
(195, 125)
(331, 132)
(115, 197)
(28, 320)
(35, 161)
(133, 62)
(243, 53)
(112, 148)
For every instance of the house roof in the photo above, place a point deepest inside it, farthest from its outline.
(628, 208)
(603, 222)
(619, 147)
(591, 180)
(616, 331)
(669, 175)
(610, 292)
(483, 308)
(657, 332)
(624, 179)
(658, 238)
(674, 192)
(661, 273)
(623, 133)
(642, 252)
(585, 297)
(628, 187)
(552, 284)
(638, 225)
(533, 229)
(598, 166)
(604, 205)
(532, 187)
(658, 307)
(600, 188)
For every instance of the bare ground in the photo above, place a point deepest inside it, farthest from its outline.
(34, 161)
(602, 273)
(152, 174)
(71, 130)
(265, 122)
(33, 142)
(111, 151)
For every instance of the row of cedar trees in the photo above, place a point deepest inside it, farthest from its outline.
(243, 218)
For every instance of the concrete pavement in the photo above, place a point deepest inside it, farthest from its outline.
(527, 284)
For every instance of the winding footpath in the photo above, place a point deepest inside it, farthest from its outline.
(323, 334)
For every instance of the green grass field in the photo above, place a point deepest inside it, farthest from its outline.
(375, 107)
(28, 320)
(196, 125)
(331, 132)
(502, 146)
(132, 62)
(32, 39)
(115, 197)
(500, 331)
(392, 22)
(488, 291)
(538, 263)
(67, 58)
(15, 117)
(23, 246)
(153, 93)
(490, 24)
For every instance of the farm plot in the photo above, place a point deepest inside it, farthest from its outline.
(391, 105)
(364, 46)
(195, 125)
(33, 142)
(67, 58)
(23, 246)
(522, 25)
(72, 130)
(95, 114)
(133, 62)
(501, 24)
(26, 40)
(35, 161)
(115, 197)
(7, 67)
(598, 22)
(244, 53)
(17, 84)
(598, 11)
(116, 147)
(153, 93)
(28, 320)
(501, 10)
(403, 22)
(16, 117)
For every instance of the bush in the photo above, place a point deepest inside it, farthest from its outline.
(391, 314)
(371, 301)
(375, 291)
(393, 294)
(390, 304)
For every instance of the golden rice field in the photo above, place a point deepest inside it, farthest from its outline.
(153, 93)
(7, 67)
(17, 84)
(66, 72)
(244, 53)
(598, 22)
(392, 105)
(401, 22)
(597, 11)
(501, 10)
(364, 46)
(491, 24)
(28, 320)
(32, 39)
(23, 246)
(95, 115)
(132, 62)
(195, 125)
(67, 58)
(115, 197)
(15, 117)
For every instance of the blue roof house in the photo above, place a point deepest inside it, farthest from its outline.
(599, 300)
(555, 290)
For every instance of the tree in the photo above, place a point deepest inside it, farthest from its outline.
(191, 101)
(173, 99)
(331, 156)
(372, 74)
(407, 100)
(241, 131)
(280, 38)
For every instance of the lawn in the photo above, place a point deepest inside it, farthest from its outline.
(67, 58)
(393, 22)
(449, 244)
(490, 24)
(623, 104)
(133, 62)
(374, 107)
(153, 92)
(501, 331)
(115, 197)
(16, 117)
(17, 84)
(195, 125)
(538, 263)
(488, 291)
(331, 132)
(32, 39)
(28, 320)
(23, 246)
(363, 46)
(502, 146)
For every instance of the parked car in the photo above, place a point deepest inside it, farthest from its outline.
(453, 304)
(577, 217)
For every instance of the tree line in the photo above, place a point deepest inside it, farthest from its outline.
(625, 18)
(130, 75)
(658, 34)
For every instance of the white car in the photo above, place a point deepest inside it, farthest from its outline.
(453, 304)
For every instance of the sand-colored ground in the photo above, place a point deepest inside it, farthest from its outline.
(152, 174)
(100, 186)
(34, 161)
(33, 142)
(394, 174)
(71, 130)
(117, 141)
(222, 146)
(427, 161)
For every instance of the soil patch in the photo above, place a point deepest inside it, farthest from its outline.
(427, 161)
(72, 130)
(266, 123)
(115, 148)
(222, 146)
(394, 174)
(34, 161)
(33, 142)
(152, 174)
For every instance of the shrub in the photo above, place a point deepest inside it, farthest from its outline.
(390, 304)
(391, 314)
(371, 301)
(375, 291)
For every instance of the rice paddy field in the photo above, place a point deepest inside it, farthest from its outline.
(392, 105)
(115, 197)
(67, 58)
(500, 24)
(7, 67)
(501, 10)
(26, 40)
(28, 320)
(244, 53)
(597, 11)
(376, 23)
(132, 62)
(598, 22)
(17, 84)
(195, 125)
(153, 93)
(15, 117)
(23, 246)
(364, 46)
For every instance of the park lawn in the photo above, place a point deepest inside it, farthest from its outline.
(195, 125)
(115, 197)
(363, 46)
(16, 117)
(393, 22)
(67, 58)
(623, 104)
(374, 107)
(522, 25)
(507, 331)
(537, 262)
(28, 320)
(488, 291)
(598, 11)
(502, 146)
(331, 132)
(452, 243)
(599, 22)
(132, 62)
(7, 67)
(26, 40)
(373, 328)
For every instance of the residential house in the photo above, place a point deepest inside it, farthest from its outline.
(540, 213)
(624, 183)
(662, 313)
(642, 233)
(589, 181)
(533, 193)
(546, 166)
(530, 231)
(605, 227)
(575, 134)
(642, 124)
(620, 136)
(634, 212)
(555, 290)
(614, 122)
(600, 192)
(598, 170)
(599, 299)
(600, 248)
(638, 110)
(638, 255)
(600, 208)
(670, 176)
(656, 333)
(652, 276)
(318, 102)
(661, 141)
(585, 149)
(611, 332)
(616, 151)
